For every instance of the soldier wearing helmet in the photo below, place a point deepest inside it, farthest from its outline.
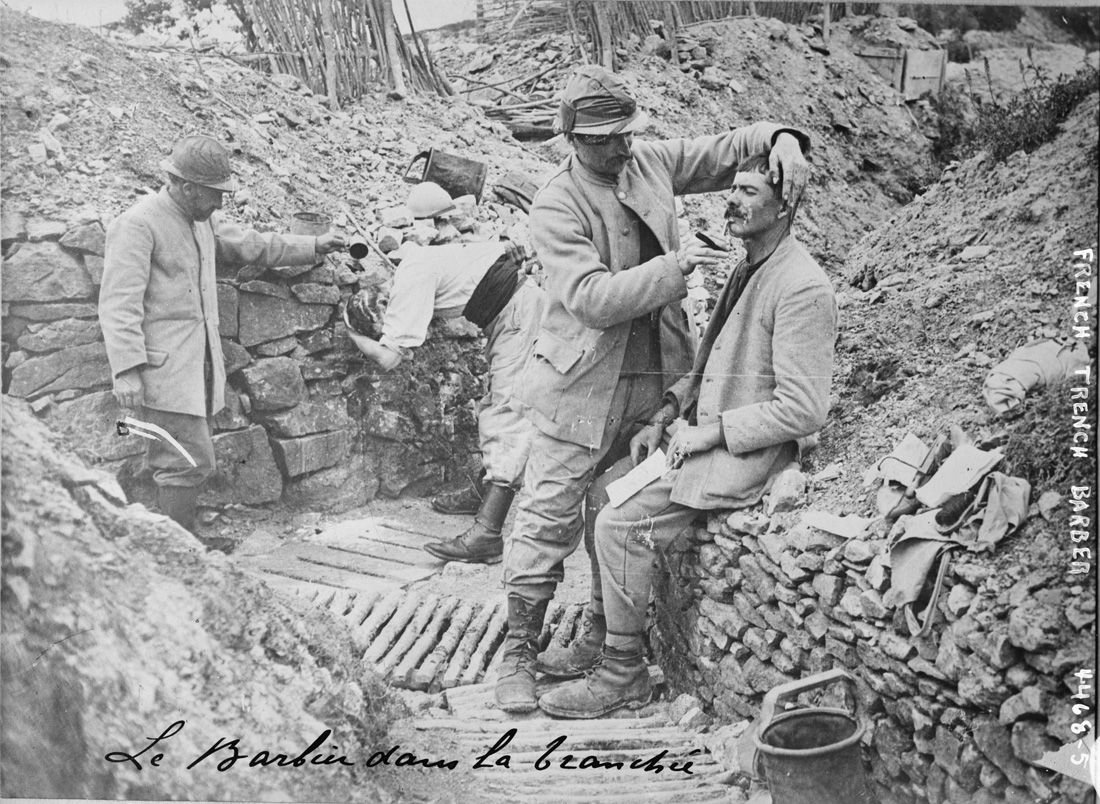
(613, 338)
(158, 308)
(484, 283)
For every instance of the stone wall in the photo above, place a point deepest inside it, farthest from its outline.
(308, 420)
(754, 599)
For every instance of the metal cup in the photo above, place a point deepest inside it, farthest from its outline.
(358, 249)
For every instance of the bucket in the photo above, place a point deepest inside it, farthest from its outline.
(455, 174)
(811, 755)
(310, 223)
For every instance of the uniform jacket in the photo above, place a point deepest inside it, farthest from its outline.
(158, 304)
(586, 240)
(765, 375)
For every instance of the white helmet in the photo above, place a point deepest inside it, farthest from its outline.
(429, 200)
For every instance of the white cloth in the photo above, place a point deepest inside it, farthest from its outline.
(434, 281)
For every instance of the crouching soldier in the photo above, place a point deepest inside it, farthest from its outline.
(484, 283)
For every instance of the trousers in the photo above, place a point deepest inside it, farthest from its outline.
(627, 540)
(549, 521)
(504, 434)
(168, 467)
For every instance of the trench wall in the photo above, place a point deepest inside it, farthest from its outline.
(308, 420)
(747, 601)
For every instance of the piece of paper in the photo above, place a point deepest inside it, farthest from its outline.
(960, 472)
(637, 478)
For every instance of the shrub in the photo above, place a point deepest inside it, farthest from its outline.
(1031, 117)
(1026, 120)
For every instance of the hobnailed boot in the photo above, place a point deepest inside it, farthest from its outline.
(179, 504)
(515, 689)
(482, 543)
(581, 655)
(620, 679)
(462, 502)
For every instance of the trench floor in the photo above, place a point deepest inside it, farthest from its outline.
(435, 631)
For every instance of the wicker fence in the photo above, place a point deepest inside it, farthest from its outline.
(342, 48)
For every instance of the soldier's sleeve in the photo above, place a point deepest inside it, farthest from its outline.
(707, 164)
(127, 263)
(237, 246)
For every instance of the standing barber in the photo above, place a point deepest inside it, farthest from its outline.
(158, 308)
(614, 335)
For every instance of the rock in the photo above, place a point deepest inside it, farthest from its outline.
(736, 86)
(959, 599)
(235, 357)
(38, 230)
(860, 552)
(1030, 741)
(313, 293)
(232, 416)
(786, 491)
(274, 383)
(299, 456)
(59, 334)
(828, 588)
(388, 239)
(44, 272)
(87, 424)
(713, 78)
(264, 318)
(750, 522)
(13, 226)
(76, 367)
(52, 312)
(1031, 702)
(349, 484)
(89, 238)
(265, 289)
(994, 647)
(396, 217)
(388, 424)
(94, 266)
(683, 703)
(1034, 623)
(246, 472)
(228, 299)
(309, 417)
(871, 605)
(422, 234)
(275, 348)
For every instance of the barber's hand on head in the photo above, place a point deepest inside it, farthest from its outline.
(129, 389)
(330, 242)
(693, 253)
(787, 152)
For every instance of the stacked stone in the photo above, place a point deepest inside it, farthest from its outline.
(756, 599)
(308, 420)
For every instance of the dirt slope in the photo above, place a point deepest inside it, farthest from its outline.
(117, 623)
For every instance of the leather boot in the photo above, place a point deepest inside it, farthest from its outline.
(620, 679)
(482, 543)
(561, 661)
(462, 502)
(515, 690)
(179, 504)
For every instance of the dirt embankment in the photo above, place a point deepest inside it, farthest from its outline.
(117, 624)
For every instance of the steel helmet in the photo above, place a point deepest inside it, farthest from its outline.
(429, 200)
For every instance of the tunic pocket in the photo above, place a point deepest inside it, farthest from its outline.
(558, 353)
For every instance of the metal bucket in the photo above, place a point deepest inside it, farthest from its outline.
(456, 174)
(811, 756)
(310, 223)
